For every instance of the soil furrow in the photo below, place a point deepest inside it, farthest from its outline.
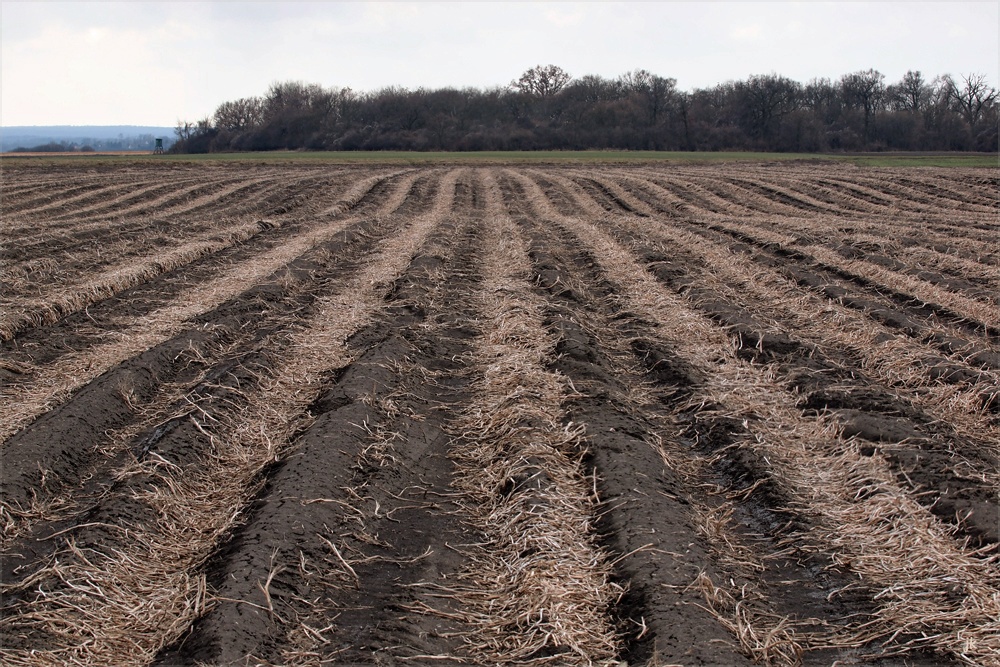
(868, 249)
(113, 244)
(905, 196)
(903, 294)
(593, 414)
(369, 197)
(645, 517)
(165, 203)
(771, 604)
(50, 381)
(177, 503)
(691, 196)
(850, 198)
(956, 280)
(100, 206)
(778, 200)
(59, 197)
(832, 198)
(941, 190)
(538, 586)
(786, 192)
(378, 499)
(130, 391)
(82, 236)
(819, 472)
(953, 474)
(124, 272)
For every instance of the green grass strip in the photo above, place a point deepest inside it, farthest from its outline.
(536, 157)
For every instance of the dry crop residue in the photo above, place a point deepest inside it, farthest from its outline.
(647, 415)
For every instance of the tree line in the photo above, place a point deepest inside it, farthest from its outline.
(547, 109)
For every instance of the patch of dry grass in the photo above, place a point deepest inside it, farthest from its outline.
(539, 590)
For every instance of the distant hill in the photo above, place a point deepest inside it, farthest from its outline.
(99, 137)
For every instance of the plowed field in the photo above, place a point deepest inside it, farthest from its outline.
(644, 415)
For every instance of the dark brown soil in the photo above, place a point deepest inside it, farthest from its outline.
(347, 546)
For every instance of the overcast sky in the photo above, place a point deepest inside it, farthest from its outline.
(147, 63)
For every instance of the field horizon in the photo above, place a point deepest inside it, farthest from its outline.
(892, 159)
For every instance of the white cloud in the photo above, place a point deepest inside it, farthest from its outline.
(562, 19)
(956, 31)
(95, 35)
(746, 33)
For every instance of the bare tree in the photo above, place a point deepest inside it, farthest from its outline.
(237, 115)
(657, 92)
(972, 97)
(821, 96)
(542, 80)
(765, 99)
(912, 93)
(184, 130)
(593, 89)
(290, 97)
(866, 91)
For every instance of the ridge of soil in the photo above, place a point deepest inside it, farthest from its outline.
(254, 454)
